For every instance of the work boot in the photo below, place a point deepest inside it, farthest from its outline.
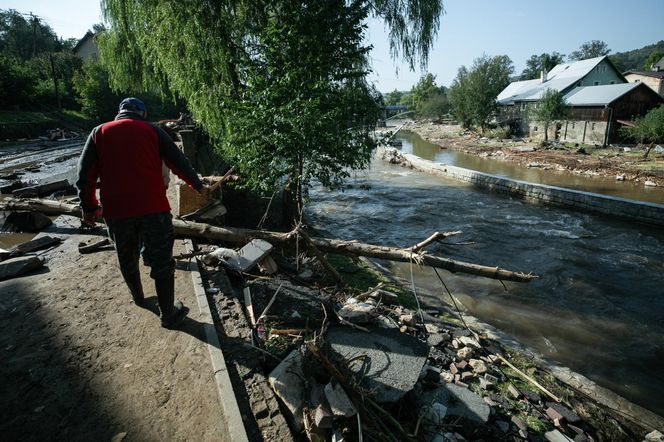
(172, 312)
(135, 288)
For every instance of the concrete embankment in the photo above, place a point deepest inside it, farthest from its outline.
(630, 210)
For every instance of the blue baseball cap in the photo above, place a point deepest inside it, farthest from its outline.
(132, 104)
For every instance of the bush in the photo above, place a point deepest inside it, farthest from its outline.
(95, 96)
(500, 132)
(16, 82)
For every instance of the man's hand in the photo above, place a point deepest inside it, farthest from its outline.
(89, 219)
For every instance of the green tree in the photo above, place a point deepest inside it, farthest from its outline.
(473, 92)
(536, 63)
(25, 35)
(590, 49)
(429, 99)
(393, 98)
(95, 96)
(550, 108)
(279, 85)
(647, 129)
(653, 58)
(17, 82)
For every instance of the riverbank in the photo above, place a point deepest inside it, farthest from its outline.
(611, 162)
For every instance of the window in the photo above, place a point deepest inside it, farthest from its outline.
(572, 125)
(535, 129)
(596, 83)
(578, 84)
(592, 127)
(613, 82)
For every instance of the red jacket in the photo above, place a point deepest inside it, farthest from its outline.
(126, 156)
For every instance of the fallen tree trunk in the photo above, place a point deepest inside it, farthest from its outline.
(242, 236)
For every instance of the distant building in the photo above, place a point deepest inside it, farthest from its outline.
(653, 78)
(86, 48)
(600, 98)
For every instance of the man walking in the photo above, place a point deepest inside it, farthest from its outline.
(126, 156)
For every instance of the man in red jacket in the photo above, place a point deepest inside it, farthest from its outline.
(126, 156)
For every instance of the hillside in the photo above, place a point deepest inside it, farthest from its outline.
(633, 60)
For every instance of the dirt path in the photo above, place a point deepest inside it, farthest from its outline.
(81, 362)
(611, 161)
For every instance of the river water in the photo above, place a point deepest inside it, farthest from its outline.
(598, 306)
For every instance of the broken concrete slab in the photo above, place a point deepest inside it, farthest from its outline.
(469, 342)
(565, 412)
(323, 417)
(249, 255)
(287, 381)
(393, 360)
(339, 402)
(291, 298)
(460, 402)
(385, 297)
(15, 267)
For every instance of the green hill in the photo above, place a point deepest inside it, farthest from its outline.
(633, 60)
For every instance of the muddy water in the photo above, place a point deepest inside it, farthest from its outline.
(598, 306)
(412, 143)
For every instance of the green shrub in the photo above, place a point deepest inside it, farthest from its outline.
(500, 132)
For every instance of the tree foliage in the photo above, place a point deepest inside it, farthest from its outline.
(550, 108)
(393, 98)
(538, 63)
(473, 92)
(590, 49)
(647, 129)
(653, 58)
(634, 59)
(429, 99)
(280, 85)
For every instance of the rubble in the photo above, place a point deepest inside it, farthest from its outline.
(287, 381)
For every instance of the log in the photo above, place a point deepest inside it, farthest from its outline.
(40, 189)
(242, 236)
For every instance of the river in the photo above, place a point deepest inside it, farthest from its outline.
(598, 306)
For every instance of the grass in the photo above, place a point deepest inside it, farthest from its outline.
(11, 117)
(365, 278)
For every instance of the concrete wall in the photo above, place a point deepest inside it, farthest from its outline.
(585, 132)
(656, 84)
(88, 50)
(619, 208)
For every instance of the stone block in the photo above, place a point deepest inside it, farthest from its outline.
(513, 391)
(556, 436)
(339, 402)
(249, 255)
(287, 381)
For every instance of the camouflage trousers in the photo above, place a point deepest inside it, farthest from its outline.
(153, 233)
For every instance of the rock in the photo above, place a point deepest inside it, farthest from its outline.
(385, 297)
(339, 402)
(432, 328)
(453, 368)
(532, 396)
(513, 391)
(504, 426)
(461, 384)
(486, 385)
(359, 313)
(430, 375)
(620, 177)
(466, 375)
(556, 436)
(490, 402)
(393, 360)
(658, 149)
(654, 436)
(465, 353)
(26, 222)
(627, 149)
(447, 376)
(565, 412)
(470, 342)
(444, 437)
(306, 275)
(521, 425)
(461, 365)
(434, 340)
(478, 365)
(433, 416)
(119, 437)
(287, 381)
(323, 417)
(15, 267)
(385, 322)
(407, 320)
(491, 378)
(649, 183)
(460, 402)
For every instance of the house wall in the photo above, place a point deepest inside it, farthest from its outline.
(571, 131)
(603, 73)
(87, 50)
(656, 84)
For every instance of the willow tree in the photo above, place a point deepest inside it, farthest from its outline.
(280, 86)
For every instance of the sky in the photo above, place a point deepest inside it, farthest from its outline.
(469, 28)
